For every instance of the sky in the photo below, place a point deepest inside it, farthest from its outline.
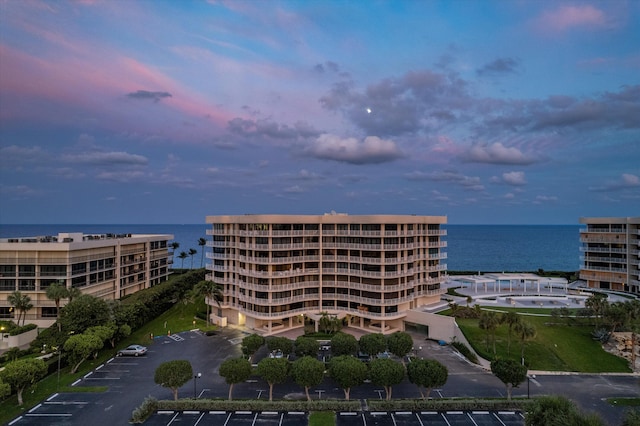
(487, 112)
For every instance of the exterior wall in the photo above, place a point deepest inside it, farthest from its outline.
(611, 253)
(107, 266)
(275, 270)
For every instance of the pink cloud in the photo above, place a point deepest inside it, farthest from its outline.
(569, 17)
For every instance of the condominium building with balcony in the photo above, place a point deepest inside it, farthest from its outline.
(610, 249)
(109, 266)
(278, 270)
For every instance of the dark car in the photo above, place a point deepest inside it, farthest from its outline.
(133, 350)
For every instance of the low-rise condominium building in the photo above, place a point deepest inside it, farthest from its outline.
(108, 266)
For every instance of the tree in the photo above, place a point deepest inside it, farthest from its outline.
(173, 375)
(525, 331)
(83, 312)
(556, 410)
(174, 245)
(386, 372)
(73, 293)
(307, 372)
(348, 372)
(192, 252)
(597, 304)
(273, 371)
(202, 243)
(428, 374)
(80, 347)
(614, 315)
(400, 344)
(510, 318)
(510, 372)
(183, 255)
(21, 303)
(57, 291)
(119, 333)
(210, 291)
(23, 373)
(251, 344)
(235, 370)
(329, 323)
(280, 343)
(489, 322)
(306, 346)
(343, 344)
(104, 332)
(373, 344)
(632, 322)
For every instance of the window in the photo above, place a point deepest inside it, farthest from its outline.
(8, 285)
(27, 285)
(27, 270)
(78, 268)
(7, 270)
(6, 312)
(49, 312)
(53, 270)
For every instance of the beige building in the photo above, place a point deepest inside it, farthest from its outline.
(611, 253)
(108, 266)
(277, 270)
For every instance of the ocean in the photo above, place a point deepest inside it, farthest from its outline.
(486, 248)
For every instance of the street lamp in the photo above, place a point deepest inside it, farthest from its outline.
(195, 380)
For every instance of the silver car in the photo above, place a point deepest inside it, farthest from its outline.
(133, 350)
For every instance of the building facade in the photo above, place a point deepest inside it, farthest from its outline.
(278, 270)
(108, 266)
(611, 253)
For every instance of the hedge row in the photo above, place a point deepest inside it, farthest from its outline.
(450, 404)
(22, 329)
(259, 405)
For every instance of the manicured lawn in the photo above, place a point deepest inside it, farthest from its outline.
(178, 318)
(555, 347)
(322, 418)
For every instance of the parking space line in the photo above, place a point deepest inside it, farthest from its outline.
(445, 419)
(66, 402)
(499, 419)
(49, 415)
(88, 374)
(16, 420)
(419, 419)
(173, 418)
(199, 418)
(76, 382)
(227, 421)
(52, 396)
(471, 418)
(254, 419)
(35, 408)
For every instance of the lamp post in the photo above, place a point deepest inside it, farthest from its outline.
(195, 381)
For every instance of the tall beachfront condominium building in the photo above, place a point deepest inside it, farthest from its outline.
(277, 270)
(611, 253)
(108, 266)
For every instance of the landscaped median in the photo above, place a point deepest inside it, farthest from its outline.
(151, 405)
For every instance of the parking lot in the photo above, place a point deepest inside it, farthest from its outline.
(399, 418)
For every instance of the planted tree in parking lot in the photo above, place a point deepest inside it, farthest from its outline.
(306, 346)
(235, 370)
(373, 344)
(428, 374)
(343, 344)
(400, 344)
(386, 372)
(23, 373)
(273, 371)
(280, 343)
(347, 371)
(173, 375)
(251, 344)
(510, 372)
(307, 372)
(80, 347)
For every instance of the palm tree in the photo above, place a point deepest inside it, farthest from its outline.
(511, 319)
(192, 251)
(183, 255)
(210, 291)
(202, 242)
(174, 245)
(525, 331)
(489, 322)
(73, 292)
(21, 303)
(55, 292)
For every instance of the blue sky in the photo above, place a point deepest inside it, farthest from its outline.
(488, 112)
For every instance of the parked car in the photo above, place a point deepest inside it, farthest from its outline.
(133, 350)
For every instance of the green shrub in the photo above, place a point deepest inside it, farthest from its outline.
(258, 405)
(464, 350)
(22, 329)
(146, 409)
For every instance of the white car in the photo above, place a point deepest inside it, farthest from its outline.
(133, 350)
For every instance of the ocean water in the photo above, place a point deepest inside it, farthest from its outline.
(486, 248)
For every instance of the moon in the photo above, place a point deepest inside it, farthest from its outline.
(368, 110)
